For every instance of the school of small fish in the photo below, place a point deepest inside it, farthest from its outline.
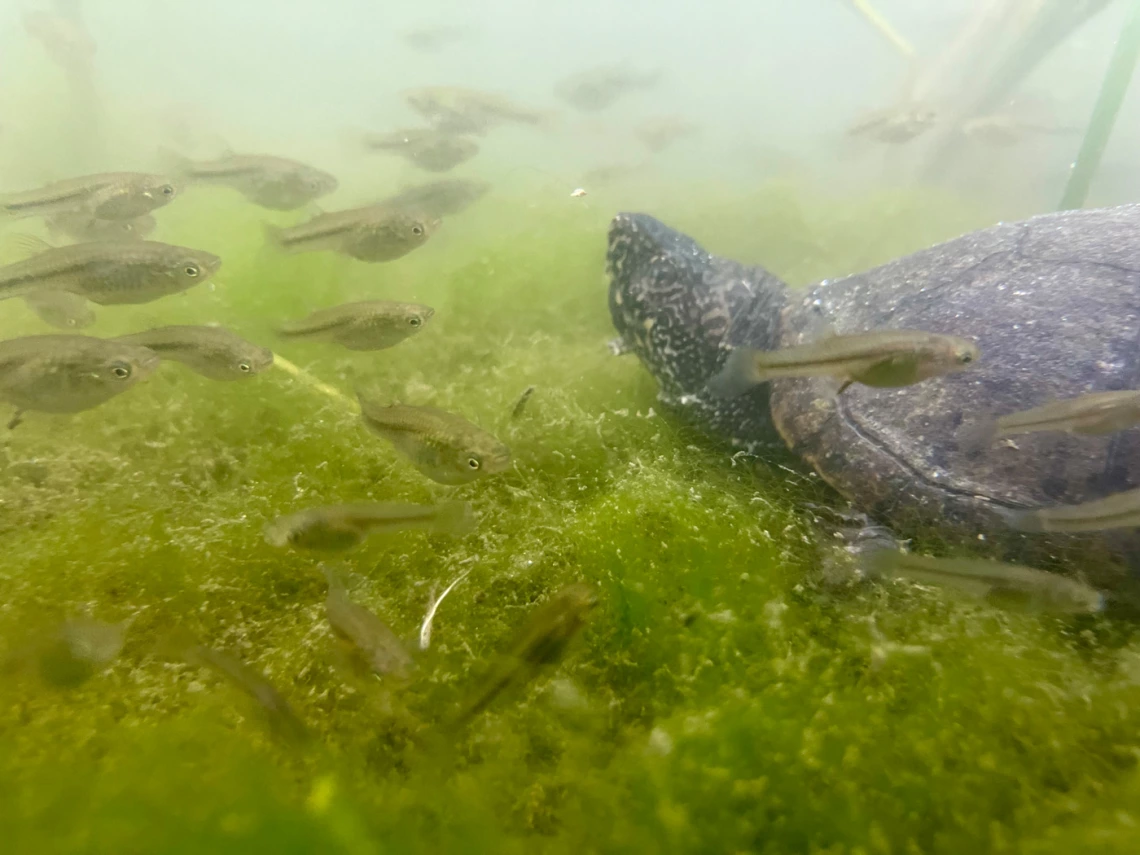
(100, 254)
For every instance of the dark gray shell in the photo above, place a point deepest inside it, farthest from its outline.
(1053, 303)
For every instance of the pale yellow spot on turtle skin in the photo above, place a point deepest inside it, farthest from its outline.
(648, 323)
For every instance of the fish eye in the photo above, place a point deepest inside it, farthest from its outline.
(244, 366)
(121, 370)
(474, 463)
(192, 270)
(415, 322)
(167, 190)
(965, 358)
(417, 230)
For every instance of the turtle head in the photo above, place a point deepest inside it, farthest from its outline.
(680, 309)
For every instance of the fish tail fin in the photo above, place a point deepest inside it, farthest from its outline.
(1022, 520)
(370, 397)
(879, 562)
(455, 518)
(17, 247)
(176, 165)
(331, 576)
(737, 376)
(975, 436)
(274, 237)
(289, 329)
(546, 121)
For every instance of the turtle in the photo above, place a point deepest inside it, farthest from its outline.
(1053, 303)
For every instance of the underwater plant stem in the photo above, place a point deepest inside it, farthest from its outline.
(309, 380)
(1112, 91)
(884, 27)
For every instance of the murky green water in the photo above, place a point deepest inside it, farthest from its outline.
(717, 701)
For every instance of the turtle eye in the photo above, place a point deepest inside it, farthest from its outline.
(192, 270)
(121, 370)
(417, 230)
(474, 464)
(245, 366)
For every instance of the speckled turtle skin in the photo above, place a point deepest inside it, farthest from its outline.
(1053, 303)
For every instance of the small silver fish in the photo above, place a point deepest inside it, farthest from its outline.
(282, 719)
(520, 404)
(373, 234)
(894, 125)
(443, 446)
(884, 359)
(366, 325)
(443, 198)
(272, 182)
(338, 527)
(455, 109)
(82, 226)
(428, 149)
(372, 639)
(61, 309)
(542, 641)
(69, 373)
(1095, 414)
(435, 37)
(1119, 510)
(660, 133)
(1006, 130)
(106, 196)
(108, 272)
(214, 352)
(1009, 584)
(599, 88)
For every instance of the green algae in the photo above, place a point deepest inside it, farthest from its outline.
(718, 700)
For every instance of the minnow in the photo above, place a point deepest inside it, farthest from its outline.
(1025, 586)
(884, 359)
(339, 527)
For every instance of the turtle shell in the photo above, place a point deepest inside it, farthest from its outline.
(1054, 305)
(1052, 302)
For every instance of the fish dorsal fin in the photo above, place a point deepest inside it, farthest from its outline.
(335, 573)
(17, 247)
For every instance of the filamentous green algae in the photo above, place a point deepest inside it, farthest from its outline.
(719, 698)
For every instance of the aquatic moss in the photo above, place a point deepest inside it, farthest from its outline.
(719, 699)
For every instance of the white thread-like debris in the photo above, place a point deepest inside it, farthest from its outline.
(425, 627)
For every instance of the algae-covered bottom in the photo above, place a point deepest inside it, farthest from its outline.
(717, 700)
